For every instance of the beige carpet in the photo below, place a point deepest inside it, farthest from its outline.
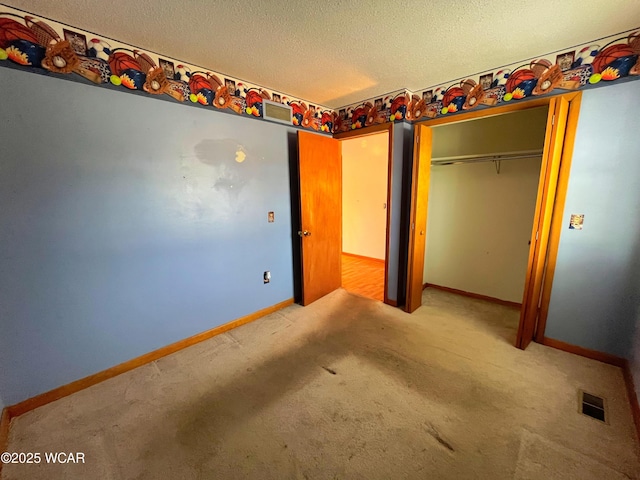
(347, 388)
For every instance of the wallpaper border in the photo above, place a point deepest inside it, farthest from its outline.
(590, 65)
(45, 46)
(40, 45)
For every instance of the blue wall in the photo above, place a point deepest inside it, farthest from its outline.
(634, 364)
(401, 205)
(400, 159)
(127, 224)
(595, 294)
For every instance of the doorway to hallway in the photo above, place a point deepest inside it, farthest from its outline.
(365, 178)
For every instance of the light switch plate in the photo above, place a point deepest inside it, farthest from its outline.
(271, 217)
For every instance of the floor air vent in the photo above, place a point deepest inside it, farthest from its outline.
(592, 406)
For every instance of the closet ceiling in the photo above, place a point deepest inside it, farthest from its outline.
(336, 52)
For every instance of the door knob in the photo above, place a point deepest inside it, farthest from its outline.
(304, 233)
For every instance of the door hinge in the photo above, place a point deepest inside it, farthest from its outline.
(413, 226)
(418, 140)
(553, 120)
(536, 236)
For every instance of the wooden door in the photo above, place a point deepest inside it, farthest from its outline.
(320, 171)
(547, 187)
(419, 202)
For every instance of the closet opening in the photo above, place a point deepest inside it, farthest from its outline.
(481, 206)
(487, 199)
(365, 213)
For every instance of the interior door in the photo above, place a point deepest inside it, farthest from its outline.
(320, 171)
(419, 203)
(547, 187)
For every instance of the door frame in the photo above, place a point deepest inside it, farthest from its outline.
(365, 132)
(549, 211)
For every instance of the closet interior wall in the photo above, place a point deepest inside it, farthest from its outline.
(479, 220)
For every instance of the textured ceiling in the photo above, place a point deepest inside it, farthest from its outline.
(337, 52)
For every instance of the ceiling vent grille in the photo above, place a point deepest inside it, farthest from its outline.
(277, 112)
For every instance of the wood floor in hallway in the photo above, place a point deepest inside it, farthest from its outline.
(364, 276)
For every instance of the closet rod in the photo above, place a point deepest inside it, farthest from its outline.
(485, 158)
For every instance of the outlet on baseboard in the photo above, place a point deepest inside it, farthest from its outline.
(267, 276)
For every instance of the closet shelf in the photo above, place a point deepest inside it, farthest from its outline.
(486, 157)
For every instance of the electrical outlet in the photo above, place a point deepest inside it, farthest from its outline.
(271, 217)
(267, 276)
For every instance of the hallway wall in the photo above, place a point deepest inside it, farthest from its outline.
(365, 163)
